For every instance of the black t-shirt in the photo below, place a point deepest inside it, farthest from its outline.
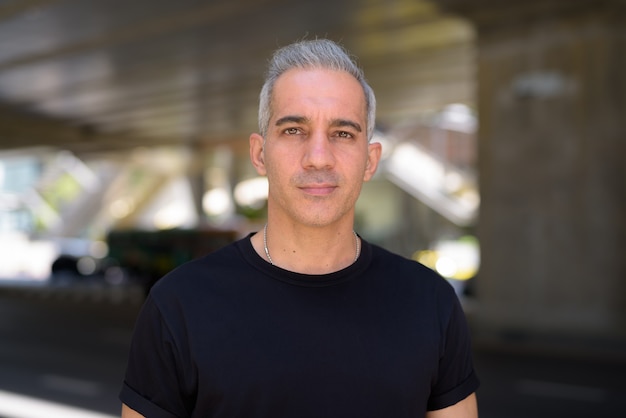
(230, 335)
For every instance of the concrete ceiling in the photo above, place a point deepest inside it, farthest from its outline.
(107, 75)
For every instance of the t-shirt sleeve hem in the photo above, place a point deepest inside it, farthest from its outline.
(135, 401)
(469, 386)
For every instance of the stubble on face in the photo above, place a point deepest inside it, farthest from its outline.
(316, 195)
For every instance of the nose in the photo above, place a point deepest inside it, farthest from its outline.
(318, 153)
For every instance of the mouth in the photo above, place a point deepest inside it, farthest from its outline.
(317, 184)
(318, 189)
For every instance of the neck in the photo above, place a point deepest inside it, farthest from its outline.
(314, 251)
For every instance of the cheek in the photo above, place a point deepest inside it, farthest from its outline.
(277, 175)
(281, 161)
(363, 170)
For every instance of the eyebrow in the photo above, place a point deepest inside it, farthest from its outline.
(336, 123)
(345, 122)
(291, 119)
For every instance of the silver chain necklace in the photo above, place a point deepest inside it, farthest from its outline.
(267, 252)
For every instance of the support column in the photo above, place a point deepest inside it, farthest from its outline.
(196, 178)
(552, 164)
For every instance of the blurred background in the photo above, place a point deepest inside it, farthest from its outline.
(124, 152)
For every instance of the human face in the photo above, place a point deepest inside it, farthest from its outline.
(316, 154)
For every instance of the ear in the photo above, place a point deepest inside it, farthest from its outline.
(257, 153)
(374, 151)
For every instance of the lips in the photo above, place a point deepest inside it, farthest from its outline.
(318, 189)
(316, 183)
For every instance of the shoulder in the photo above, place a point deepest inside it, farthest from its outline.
(396, 265)
(413, 278)
(200, 274)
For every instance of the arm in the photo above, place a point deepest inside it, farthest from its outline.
(130, 413)
(467, 408)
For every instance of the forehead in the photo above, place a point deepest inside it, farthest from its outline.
(300, 90)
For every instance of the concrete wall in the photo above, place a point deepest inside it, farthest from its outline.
(552, 114)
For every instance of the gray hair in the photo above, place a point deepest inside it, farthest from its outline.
(318, 53)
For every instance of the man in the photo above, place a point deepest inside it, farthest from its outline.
(304, 318)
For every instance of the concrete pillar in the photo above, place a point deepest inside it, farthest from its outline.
(196, 177)
(552, 164)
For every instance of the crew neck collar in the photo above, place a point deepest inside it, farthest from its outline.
(308, 280)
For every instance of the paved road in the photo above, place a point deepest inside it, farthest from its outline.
(68, 346)
(518, 384)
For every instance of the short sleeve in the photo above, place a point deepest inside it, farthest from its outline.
(456, 377)
(152, 384)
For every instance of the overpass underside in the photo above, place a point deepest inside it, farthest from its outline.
(544, 77)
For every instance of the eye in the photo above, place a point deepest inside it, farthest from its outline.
(292, 131)
(344, 134)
